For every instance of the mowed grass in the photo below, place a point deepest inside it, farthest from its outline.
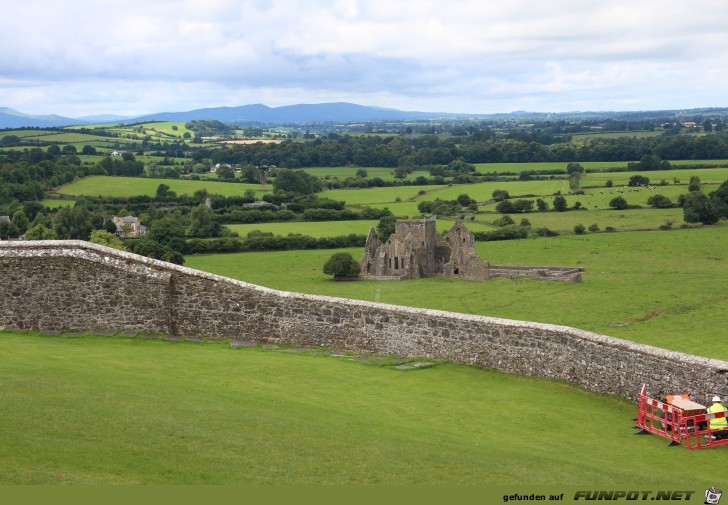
(312, 229)
(110, 410)
(564, 222)
(109, 186)
(666, 289)
(384, 173)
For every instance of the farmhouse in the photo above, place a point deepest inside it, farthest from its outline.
(416, 250)
(129, 226)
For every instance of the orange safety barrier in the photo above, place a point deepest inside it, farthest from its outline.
(690, 425)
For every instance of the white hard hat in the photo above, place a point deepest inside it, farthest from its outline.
(715, 399)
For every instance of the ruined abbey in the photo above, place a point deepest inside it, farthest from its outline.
(415, 250)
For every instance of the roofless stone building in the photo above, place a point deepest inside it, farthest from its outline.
(415, 250)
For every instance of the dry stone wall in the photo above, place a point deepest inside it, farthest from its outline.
(72, 285)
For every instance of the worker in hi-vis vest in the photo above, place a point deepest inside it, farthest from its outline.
(719, 423)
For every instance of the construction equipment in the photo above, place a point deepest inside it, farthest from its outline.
(678, 419)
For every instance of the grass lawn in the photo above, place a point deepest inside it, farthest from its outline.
(55, 203)
(384, 173)
(112, 410)
(313, 229)
(563, 222)
(72, 138)
(102, 185)
(665, 289)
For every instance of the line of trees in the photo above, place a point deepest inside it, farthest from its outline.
(398, 151)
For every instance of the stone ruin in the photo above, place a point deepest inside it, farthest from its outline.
(415, 250)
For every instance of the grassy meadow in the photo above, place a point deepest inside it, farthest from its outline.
(313, 229)
(384, 173)
(662, 288)
(130, 411)
(103, 185)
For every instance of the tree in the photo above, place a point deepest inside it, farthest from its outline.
(560, 204)
(152, 249)
(54, 150)
(574, 168)
(618, 203)
(504, 207)
(386, 227)
(609, 183)
(203, 223)
(505, 220)
(10, 140)
(73, 223)
(296, 182)
(20, 220)
(401, 172)
(225, 172)
(8, 230)
(659, 202)
(694, 184)
(464, 200)
(579, 229)
(103, 237)
(361, 173)
(164, 192)
(168, 232)
(249, 174)
(542, 205)
(40, 232)
(721, 193)
(698, 208)
(342, 265)
(522, 206)
(88, 150)
(638, 180)
(32, 209)
(650, 162)
(500, 195)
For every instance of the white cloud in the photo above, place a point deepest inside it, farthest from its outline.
(129, 56)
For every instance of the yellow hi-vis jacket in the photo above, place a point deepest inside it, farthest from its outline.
(718, 423)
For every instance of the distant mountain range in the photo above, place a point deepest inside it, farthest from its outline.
(257, 113)
(340, 112)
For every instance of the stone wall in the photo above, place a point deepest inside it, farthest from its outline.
(72, 285)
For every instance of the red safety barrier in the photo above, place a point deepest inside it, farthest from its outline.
(677, 425)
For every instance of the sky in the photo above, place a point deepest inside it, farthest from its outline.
(131, 57)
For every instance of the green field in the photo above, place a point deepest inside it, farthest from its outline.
(384, 173)
(313, 229)
(55, 203)
(517, 168)
(112, 410)
(26, 133)
(665, 289)
(102, 185)
(74, 138)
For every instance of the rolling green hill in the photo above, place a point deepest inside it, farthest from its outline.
(113, 410)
